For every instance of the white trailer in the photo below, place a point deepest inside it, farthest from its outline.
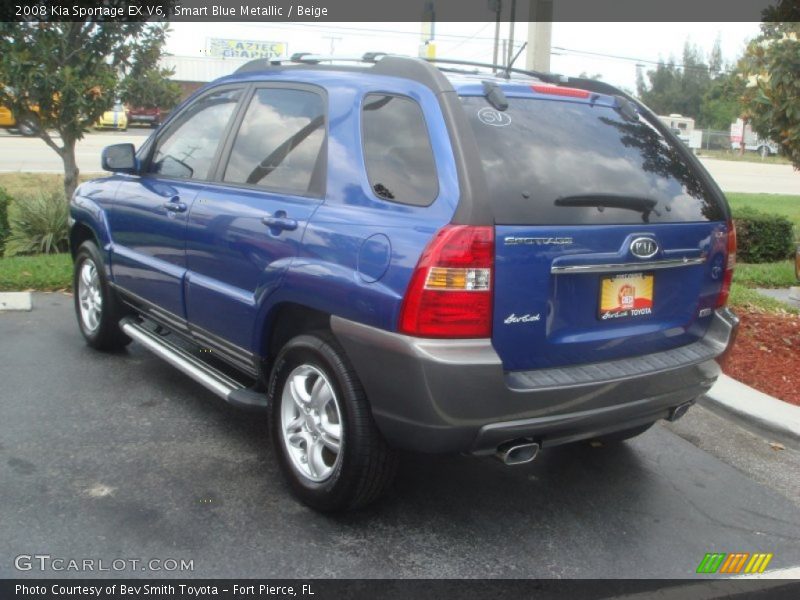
(680, 126)
(742, 131)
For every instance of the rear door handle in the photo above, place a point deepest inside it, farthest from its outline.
(175, 206)
(279, 221)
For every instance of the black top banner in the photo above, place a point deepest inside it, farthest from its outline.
(404, 10)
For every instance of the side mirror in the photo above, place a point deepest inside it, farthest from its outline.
(119, 158)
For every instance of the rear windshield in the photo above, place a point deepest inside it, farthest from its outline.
(568, 163)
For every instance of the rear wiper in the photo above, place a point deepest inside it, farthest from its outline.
(601, 201)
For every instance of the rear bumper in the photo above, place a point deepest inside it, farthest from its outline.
(453, 395)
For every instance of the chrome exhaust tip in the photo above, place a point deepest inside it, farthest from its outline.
(517, 452)
(680, 410)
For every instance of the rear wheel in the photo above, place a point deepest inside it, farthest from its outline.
(764, 151)
(326, 441)
(96, 305)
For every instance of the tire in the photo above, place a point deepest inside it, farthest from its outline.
(764, 151)
(97, 307)
(313, 369)
(620, 436)
(26, 128)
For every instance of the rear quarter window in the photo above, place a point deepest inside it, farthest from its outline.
(397, 150)
(570, 163)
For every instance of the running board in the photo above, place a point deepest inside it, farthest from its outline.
(224, 386)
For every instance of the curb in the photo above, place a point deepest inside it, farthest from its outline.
(755, 408)
(15, 301)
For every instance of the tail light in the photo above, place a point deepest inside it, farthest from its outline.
(450, 294)
(730, 263)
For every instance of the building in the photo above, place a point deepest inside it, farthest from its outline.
(193, 72)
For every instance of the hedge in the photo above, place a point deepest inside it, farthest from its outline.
(763, 237)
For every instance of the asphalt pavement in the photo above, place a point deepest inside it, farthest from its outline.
(121, 456)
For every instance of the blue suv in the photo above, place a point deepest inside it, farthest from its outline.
(394, 253)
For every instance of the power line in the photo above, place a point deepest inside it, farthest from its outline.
(470, 38)
(640, 60)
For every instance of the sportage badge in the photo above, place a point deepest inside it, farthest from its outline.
(644, 247)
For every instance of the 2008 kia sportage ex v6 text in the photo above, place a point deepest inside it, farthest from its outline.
(387, 254)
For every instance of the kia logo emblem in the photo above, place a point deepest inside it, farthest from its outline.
(644, 247)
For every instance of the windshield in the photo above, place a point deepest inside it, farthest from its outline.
(557, 162)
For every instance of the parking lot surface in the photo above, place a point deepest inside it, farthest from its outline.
(121, 456)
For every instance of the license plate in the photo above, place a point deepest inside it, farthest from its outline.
(626, 295)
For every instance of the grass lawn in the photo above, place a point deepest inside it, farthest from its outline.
(21, 182)
(767, 275)
(747, 298)
(42, 272)
(55, 271)
(788, 206)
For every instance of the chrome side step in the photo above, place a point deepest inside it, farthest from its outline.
(206, 375)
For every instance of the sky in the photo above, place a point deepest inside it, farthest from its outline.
(575, 46)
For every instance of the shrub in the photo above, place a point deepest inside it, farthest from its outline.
(763, 237)
(5, 200)
(38, 224)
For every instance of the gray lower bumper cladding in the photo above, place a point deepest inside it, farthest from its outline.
(454, 396)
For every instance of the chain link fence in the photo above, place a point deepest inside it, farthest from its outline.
(716, 140)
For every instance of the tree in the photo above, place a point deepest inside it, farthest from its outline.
(771, 100)
(152, 89)
(662, 92)
(721, 104)
(62, 76)
(678, 89)
(146, 84)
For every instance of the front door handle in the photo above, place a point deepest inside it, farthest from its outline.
(175, 206)
(280, 222)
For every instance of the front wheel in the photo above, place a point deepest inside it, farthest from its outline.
(96, 305)
(764, 151)
(326, 441)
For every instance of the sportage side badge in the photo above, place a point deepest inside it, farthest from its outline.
(643, 247)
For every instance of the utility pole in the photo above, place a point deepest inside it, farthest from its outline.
(511, 32)
(427, 47)
(496, 6)
(333, 40)
(540, 30)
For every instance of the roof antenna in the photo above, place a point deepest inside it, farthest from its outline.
(507, 72)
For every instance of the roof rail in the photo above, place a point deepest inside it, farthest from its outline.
(307, 58)
(384, 62)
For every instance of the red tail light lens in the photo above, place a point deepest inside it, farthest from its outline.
(556, 90)
(450, 294)
(730, 263)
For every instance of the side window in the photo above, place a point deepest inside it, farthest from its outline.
(280, 141)
(187, 149)
(397, 150)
